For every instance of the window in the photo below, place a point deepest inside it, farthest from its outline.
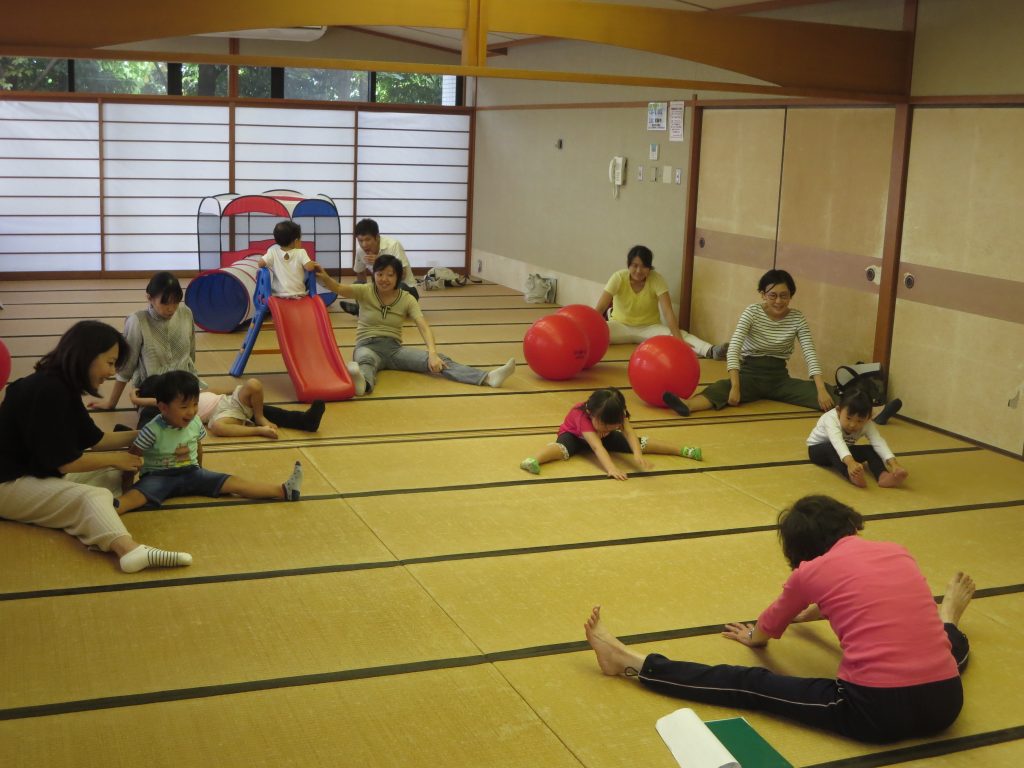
(409, 88)
(325, 84)
(254, 82)
(109, 76)
(25, 74)
(204, 80)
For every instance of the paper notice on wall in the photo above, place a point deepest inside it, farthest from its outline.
(676, 117)
(657, 115)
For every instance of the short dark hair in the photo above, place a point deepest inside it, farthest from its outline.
(608, 405)
(74, 354)
(856, 401)
(775, 277)
(148, 386)
(810, 527)
(286, 232)
(174, 384)
(367, 227)
(387, 260)
(645, 254)
(164, 286)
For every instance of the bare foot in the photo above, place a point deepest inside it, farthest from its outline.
(859, 480)
(959, 592)
(267, 431)
(892, 479)
(612, 656)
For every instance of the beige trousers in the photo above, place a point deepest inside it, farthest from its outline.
(81, 504)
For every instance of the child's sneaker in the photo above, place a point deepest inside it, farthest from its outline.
(691, 452)
(530, 465)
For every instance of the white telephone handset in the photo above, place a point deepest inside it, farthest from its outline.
(617, 173)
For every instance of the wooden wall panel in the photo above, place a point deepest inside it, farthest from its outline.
(737, 212)
(957, 361)
(831, 225)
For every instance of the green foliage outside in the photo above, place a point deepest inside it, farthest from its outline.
(25, 74)
(205, 80)
(149, 77)
(108, 76)
(325, 84)
(408, 88)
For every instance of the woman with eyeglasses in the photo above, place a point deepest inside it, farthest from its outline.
(758, 351)
(383, 309)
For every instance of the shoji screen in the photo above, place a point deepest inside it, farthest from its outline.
(159, 162)
(308, 150)
(413, 174)
(49, 186)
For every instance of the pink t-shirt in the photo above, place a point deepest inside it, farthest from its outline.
(577, 422)
(880, 607)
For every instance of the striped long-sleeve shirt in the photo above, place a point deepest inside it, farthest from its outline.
(757, 335)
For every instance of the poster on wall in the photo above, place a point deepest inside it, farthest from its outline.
(676, 117)
(657, 116)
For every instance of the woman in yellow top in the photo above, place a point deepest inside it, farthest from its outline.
(636, 295)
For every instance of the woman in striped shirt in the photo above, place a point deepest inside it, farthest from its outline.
(758, 351)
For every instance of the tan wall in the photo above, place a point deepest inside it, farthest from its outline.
(831, 225)
(969, 47)
(821, 177)
(737, 214)
(958, 345)
(554, 207)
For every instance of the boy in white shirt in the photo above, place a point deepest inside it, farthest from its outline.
(287, 261)
(832, 443)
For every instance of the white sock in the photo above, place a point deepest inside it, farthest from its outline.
(357, 378)
(293, 484)
(143, 557)
(497, 377)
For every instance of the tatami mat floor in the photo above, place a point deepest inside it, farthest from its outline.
(423, 603)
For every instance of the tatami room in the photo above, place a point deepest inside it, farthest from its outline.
(423, 601)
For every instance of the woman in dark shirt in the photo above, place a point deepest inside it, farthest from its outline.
(57, 467)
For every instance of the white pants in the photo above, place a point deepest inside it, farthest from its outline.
(80, 504)
(634, 334)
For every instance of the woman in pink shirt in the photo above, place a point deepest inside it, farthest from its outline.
(899, 676)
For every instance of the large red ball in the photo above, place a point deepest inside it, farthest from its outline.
(556, 347)
(593, 326)
(5, 364)
(663, 364)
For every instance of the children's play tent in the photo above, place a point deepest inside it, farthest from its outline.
(234, 231)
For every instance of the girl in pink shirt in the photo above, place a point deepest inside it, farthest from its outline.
(601, 424)
(899, 676)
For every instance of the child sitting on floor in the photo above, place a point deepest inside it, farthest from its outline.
(242, 413)
(601, 424)
(832, 443)
(287, 261)
(172, 454)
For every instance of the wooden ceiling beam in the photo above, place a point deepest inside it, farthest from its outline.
(796, 56)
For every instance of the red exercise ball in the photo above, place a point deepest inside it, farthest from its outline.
(556, 347)
(663, 364)
(5, 364)
(595, 328)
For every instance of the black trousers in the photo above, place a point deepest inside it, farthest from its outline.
(614, 442)
(825, 455)
(855, 711)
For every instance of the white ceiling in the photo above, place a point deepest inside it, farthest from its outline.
(452, 38)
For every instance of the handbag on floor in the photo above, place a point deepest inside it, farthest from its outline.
(868, 377)
(540, 289)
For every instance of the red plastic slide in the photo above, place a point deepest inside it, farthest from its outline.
(310, 350)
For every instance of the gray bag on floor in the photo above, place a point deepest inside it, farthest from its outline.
(540, 289)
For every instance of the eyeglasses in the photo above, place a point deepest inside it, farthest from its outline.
(773, 296)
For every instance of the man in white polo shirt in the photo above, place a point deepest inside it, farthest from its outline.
(372, 244)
